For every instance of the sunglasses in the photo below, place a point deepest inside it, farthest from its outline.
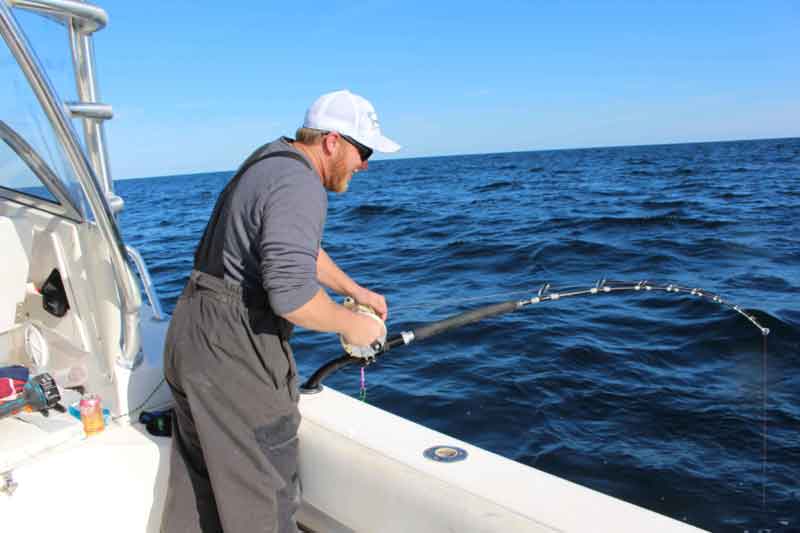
(364, 152)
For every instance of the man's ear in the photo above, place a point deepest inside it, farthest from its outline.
(329, 144)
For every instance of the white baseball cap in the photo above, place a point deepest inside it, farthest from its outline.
(351, 115)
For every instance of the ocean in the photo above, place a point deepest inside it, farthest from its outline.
(668, 401)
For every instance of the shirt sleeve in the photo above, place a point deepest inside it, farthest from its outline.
(293, 219)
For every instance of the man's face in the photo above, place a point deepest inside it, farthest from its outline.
(345, 162)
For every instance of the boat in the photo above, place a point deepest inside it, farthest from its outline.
(72, 307)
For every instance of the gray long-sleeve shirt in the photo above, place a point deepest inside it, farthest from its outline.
(270, 229)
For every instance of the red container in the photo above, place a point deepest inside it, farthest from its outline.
(91, 414)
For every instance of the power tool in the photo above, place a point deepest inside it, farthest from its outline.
(40, 394)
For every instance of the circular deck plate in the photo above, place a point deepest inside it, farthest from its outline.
(445, 454)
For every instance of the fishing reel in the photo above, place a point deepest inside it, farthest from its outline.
(364, 352)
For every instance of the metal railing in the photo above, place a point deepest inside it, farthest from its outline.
(147, 282)
(82, 20)
(88, 18)
(67, 206)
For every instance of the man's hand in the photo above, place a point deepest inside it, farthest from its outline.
(323, 314)
(376, 301)
(363, 330)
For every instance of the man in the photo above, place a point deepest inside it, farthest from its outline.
(257, 272)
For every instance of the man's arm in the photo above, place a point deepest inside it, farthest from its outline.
(323, 314)
(293, 218)
(333, 277)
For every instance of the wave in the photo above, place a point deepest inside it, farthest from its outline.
(463, 248)
(497, 185)
(763, 281)
(562, 172)
(666, 204)
(684, 172)
(717, 249)
(670, 219)
(733, 195)
(374, 210)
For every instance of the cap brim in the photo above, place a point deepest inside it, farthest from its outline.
(381, 144)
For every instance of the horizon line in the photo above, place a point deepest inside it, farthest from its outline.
(675, 143)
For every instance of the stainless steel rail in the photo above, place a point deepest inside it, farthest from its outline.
(130, 298)
(93, 128)
(85, 110)
(91, 18)
(149, 288)
(81, 21)
(67, 205)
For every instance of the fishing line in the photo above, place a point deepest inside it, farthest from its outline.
(141, 405)
(764, 421)
(363, 392)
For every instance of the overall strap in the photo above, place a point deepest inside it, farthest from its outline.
(202, 261)
(260, 155)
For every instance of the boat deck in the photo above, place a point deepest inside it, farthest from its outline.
(27, 436)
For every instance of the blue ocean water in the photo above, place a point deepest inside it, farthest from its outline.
(657, 399)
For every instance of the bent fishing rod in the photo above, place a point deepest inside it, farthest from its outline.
(367, 355)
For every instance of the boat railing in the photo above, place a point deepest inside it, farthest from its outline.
(67, 205)
(82, 20)
(147, 282)
(91, 18)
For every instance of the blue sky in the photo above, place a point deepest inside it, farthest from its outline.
(197, 85)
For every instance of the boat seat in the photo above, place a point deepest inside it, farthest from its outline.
(16, 242)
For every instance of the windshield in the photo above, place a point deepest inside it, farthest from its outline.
(34, 169)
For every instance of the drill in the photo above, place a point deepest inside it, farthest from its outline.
(40, 393)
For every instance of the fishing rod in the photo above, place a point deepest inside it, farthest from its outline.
(367, 355)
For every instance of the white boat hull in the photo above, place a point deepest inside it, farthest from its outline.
(362, 469)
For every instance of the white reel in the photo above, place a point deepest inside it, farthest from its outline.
(363, 352)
